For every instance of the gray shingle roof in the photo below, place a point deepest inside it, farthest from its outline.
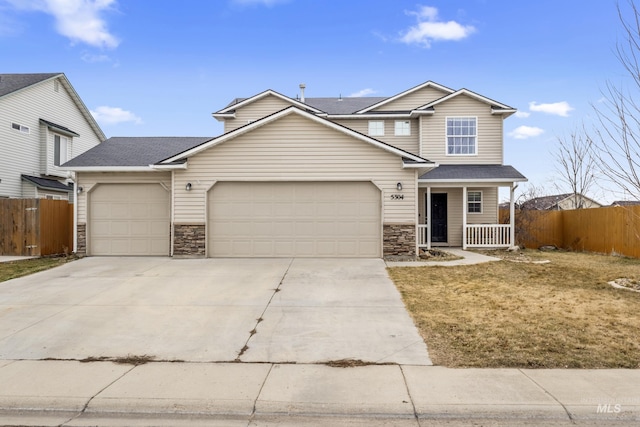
(51, 184)
(13, 82)
(135, 151)
(333, 105)
(474, 172)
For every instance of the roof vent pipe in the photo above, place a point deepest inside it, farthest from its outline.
(302, 87)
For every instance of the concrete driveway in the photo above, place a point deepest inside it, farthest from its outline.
(213, 310)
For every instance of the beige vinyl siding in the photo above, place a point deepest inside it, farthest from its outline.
(88, 181)
(407, 143)
(28, 190)
(295, 148)
(489, 127)
(29, 154)
(255, 111)
(413, 100)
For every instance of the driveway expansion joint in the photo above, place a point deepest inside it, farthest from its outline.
(261, 318)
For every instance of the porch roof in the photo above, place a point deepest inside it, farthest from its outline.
(472, 173)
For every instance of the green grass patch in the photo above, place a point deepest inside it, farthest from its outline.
(13, 269)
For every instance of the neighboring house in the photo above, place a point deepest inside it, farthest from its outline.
(314, 177)
(43, 124)
(625, 203)
(560, 202)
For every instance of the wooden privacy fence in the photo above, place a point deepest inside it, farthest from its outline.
(35, 227)
(604, 230)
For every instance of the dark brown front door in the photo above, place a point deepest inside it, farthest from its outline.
(439, 217)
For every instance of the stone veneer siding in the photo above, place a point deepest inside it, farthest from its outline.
(189, 239)
(399, 240)
(82, 239)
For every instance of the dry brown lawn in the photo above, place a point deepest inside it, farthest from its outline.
(562, 314)
(13, 269)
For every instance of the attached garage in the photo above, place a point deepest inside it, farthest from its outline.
(129, 219)
(303, 219)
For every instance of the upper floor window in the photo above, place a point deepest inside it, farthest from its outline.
(474, 202)
(376, 128)
(60, 144)
(403, 128)
(19, 128)
(462, 135)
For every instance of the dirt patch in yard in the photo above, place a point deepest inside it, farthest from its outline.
(561, 314)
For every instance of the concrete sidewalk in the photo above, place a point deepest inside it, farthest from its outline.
(71, 393)
(468, 258)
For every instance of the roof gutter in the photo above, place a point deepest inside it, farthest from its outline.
(223, 116)
(472, 180)
(109, 168)
(416, 165)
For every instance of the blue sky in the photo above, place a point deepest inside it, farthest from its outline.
(162, 67)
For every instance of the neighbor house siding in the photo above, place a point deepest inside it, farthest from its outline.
(413, 100)
(32, 154)
(407, 143)
(489, 128)
(294, 149)
(88, 180)
(254, 111)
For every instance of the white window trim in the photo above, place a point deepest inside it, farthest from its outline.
(395, 128)
(373, 133)
(481, 202)
(22, 129)
(446, 136)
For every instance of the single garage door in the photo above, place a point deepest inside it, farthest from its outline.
(303, 219)
(129, 219)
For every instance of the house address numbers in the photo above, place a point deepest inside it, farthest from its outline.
(397, 197)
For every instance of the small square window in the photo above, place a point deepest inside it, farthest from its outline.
(403, 128)
(376, 128)
(474, 202)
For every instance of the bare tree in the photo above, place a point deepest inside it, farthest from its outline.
(576, 165)
(617, 138)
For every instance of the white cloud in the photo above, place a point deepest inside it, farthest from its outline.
(91, 58)
(522, 114)
(556, 108)
(114, 115)
(79, 20)
(429, 29)
(363, 92)
(524, 132)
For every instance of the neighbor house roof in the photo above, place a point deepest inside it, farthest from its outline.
(475, 173)
(10, 83)
(46, 183)
(626, 203)
(549, 202)
(133, 151)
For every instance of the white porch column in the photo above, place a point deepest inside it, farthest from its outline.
(512, 216)
(464, 217)
(428, 222)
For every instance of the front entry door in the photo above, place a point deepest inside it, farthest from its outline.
(439, 217)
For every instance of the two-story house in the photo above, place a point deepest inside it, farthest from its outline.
(314, 177)
(43, 124)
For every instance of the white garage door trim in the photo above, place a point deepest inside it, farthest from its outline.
(294, 218)
(129, 219)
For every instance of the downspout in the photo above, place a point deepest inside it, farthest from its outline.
(76, 198)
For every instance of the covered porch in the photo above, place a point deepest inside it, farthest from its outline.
(458, 206)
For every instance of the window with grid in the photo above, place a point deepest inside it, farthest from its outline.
(376, 128)
(403, 128)
(474, 202)
(461, 135)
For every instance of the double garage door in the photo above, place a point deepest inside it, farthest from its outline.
(245, 219)
(304, 219)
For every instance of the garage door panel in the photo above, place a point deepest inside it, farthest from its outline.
(294, 219)
(129, 219)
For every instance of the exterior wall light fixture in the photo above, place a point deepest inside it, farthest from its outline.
(188, 186)
(399, 186)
